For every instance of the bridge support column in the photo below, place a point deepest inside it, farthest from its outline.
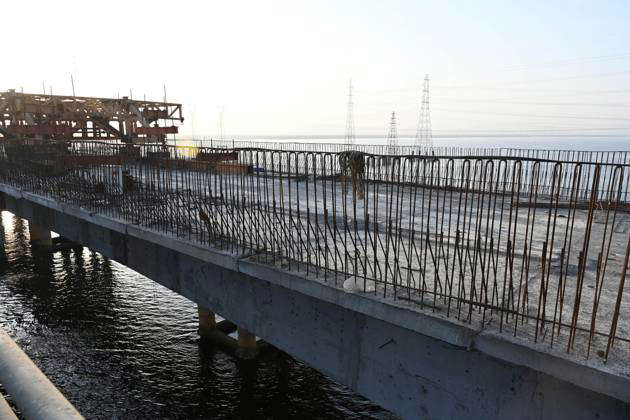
(39, 236)
(207, 321)
(3, 254)
(3, 206)
(247, 346)
(244, 347)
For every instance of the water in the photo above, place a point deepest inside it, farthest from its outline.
(121, 346)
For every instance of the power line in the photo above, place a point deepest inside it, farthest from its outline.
(526, 92)
(534, 115)
(504, 100)
(518, 67)
(524, 82)
(536, 130)
(410, 132)
(515, 101)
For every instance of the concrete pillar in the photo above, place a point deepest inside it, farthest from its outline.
(39, 236)
(246, 340)
(207, 320)
(3, 254)
(246, 344)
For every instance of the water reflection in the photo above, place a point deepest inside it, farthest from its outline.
(121, 346)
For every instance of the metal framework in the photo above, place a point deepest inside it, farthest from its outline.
(350, 137)
(66, 118)
(424, 135)
(533, 248)
(392, 136)
(586, 156)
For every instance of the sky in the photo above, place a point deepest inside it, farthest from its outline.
(283, 67)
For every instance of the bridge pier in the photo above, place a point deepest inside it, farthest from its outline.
(247, 346)
(207, 321)
(3, 253)
(40, 236)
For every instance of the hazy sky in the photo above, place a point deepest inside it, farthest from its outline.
(282, 67)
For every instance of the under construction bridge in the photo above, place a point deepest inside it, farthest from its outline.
(528, 247)
(61, 118)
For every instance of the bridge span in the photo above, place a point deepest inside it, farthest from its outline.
(436, 286)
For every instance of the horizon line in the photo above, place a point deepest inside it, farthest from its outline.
(374, 136)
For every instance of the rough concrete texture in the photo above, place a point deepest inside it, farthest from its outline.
(3, 254)
(442, 270)
(40, 237)
(411, 363)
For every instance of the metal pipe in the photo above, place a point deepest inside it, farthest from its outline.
(32, 391)
(6, 413)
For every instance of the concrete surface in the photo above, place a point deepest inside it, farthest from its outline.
(3, 253)
(413, 363)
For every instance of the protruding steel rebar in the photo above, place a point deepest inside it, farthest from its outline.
(517, 241)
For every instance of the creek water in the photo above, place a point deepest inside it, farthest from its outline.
(119, 345)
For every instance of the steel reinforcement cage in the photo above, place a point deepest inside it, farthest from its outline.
(536, 248)
(586, 156)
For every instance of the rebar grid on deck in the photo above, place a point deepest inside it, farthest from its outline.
(586, 156)
(535, 248)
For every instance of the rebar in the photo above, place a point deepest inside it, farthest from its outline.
(535, 247)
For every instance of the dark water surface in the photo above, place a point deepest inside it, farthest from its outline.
(121, 346)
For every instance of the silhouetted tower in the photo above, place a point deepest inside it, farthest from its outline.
(349, 139)
(392, 136)
(221, 123)
(424, 135)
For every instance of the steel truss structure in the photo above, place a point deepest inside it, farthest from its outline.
(66, 118)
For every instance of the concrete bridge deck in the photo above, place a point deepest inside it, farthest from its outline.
(386, 278)
(412, 361)
(449, 247)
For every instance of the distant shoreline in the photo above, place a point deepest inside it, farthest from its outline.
(374, 136)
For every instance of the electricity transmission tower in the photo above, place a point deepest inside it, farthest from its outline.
(424, 136)
(221, 123)
(349, 139)
(392, 136)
